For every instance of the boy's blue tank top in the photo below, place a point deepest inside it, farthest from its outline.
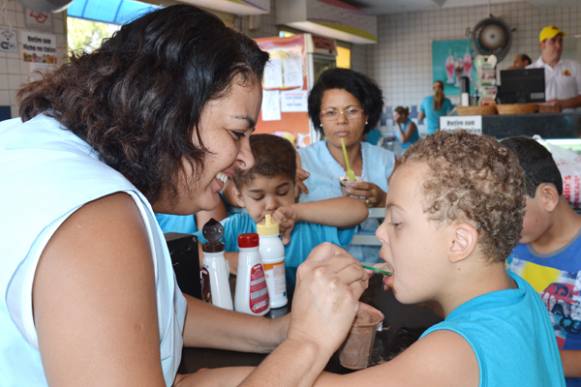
(511, 336)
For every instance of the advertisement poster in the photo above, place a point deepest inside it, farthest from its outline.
(37, 47)
(451, 60)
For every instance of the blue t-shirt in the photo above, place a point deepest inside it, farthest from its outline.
(557, 278)
(433, 115)
(184, 224)
(414, 137)
(304, 238)
(511, 336)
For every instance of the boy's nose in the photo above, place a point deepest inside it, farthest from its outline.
(381, 233)
(270, 204)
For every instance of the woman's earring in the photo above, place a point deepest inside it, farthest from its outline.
(366, 122)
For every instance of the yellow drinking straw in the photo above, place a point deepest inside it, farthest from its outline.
(350, 174)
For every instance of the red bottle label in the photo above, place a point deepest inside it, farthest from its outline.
(259, 301)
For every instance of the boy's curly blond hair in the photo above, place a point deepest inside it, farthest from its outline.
(473, 178)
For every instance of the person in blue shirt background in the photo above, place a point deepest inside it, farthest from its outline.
(406, 130)
(269, 187)
(433, 107)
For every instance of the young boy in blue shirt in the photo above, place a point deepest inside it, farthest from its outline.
(269, 187)
(549, 253)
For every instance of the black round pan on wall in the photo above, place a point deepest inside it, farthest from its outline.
(492, 36)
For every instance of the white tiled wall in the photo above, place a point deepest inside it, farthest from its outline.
(13, 71)
(402, 62)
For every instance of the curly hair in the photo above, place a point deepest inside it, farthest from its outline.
(138, 99)
(360, 86)
(273, 156)
(477, 179)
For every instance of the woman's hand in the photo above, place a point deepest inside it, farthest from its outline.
(370, 193)
(329, 284)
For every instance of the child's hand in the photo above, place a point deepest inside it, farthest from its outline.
(285, 217)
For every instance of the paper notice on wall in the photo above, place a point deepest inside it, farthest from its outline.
(8, 40)
(293, 101)
(292, 67)
(272, 78)
(270, 105)
(37, 47)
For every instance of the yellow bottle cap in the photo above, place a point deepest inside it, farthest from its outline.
(268, 227)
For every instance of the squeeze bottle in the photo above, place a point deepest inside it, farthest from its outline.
(251, 291)
(215, 265)
(272, 255)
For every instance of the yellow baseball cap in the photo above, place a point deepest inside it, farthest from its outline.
(549, 32)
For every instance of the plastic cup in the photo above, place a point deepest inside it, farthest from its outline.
(345, 182)
(356, 350)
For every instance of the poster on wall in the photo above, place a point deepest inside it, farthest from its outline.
(37, 47)
(451, 60)
(8, 40)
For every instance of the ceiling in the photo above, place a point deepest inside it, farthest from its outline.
(380, 7)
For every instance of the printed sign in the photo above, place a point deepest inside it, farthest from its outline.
(8, 40)
(37, 47)
(471, 124)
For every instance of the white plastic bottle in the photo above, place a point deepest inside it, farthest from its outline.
(219, 273)
(272, 255)
(251, 290)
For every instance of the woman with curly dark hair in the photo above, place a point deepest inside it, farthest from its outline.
(147, 122)
(344, 105)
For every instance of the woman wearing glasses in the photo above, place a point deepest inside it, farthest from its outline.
(344, 105)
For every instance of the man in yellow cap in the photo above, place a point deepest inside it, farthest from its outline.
(562, 76)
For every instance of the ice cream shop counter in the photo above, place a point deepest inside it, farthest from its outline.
(546, 125)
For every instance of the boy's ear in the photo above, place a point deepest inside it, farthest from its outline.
(548, 195)
(463, 243)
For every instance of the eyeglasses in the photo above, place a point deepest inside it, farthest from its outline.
(350, 112)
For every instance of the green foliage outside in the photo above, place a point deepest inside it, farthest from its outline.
(87, 35)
